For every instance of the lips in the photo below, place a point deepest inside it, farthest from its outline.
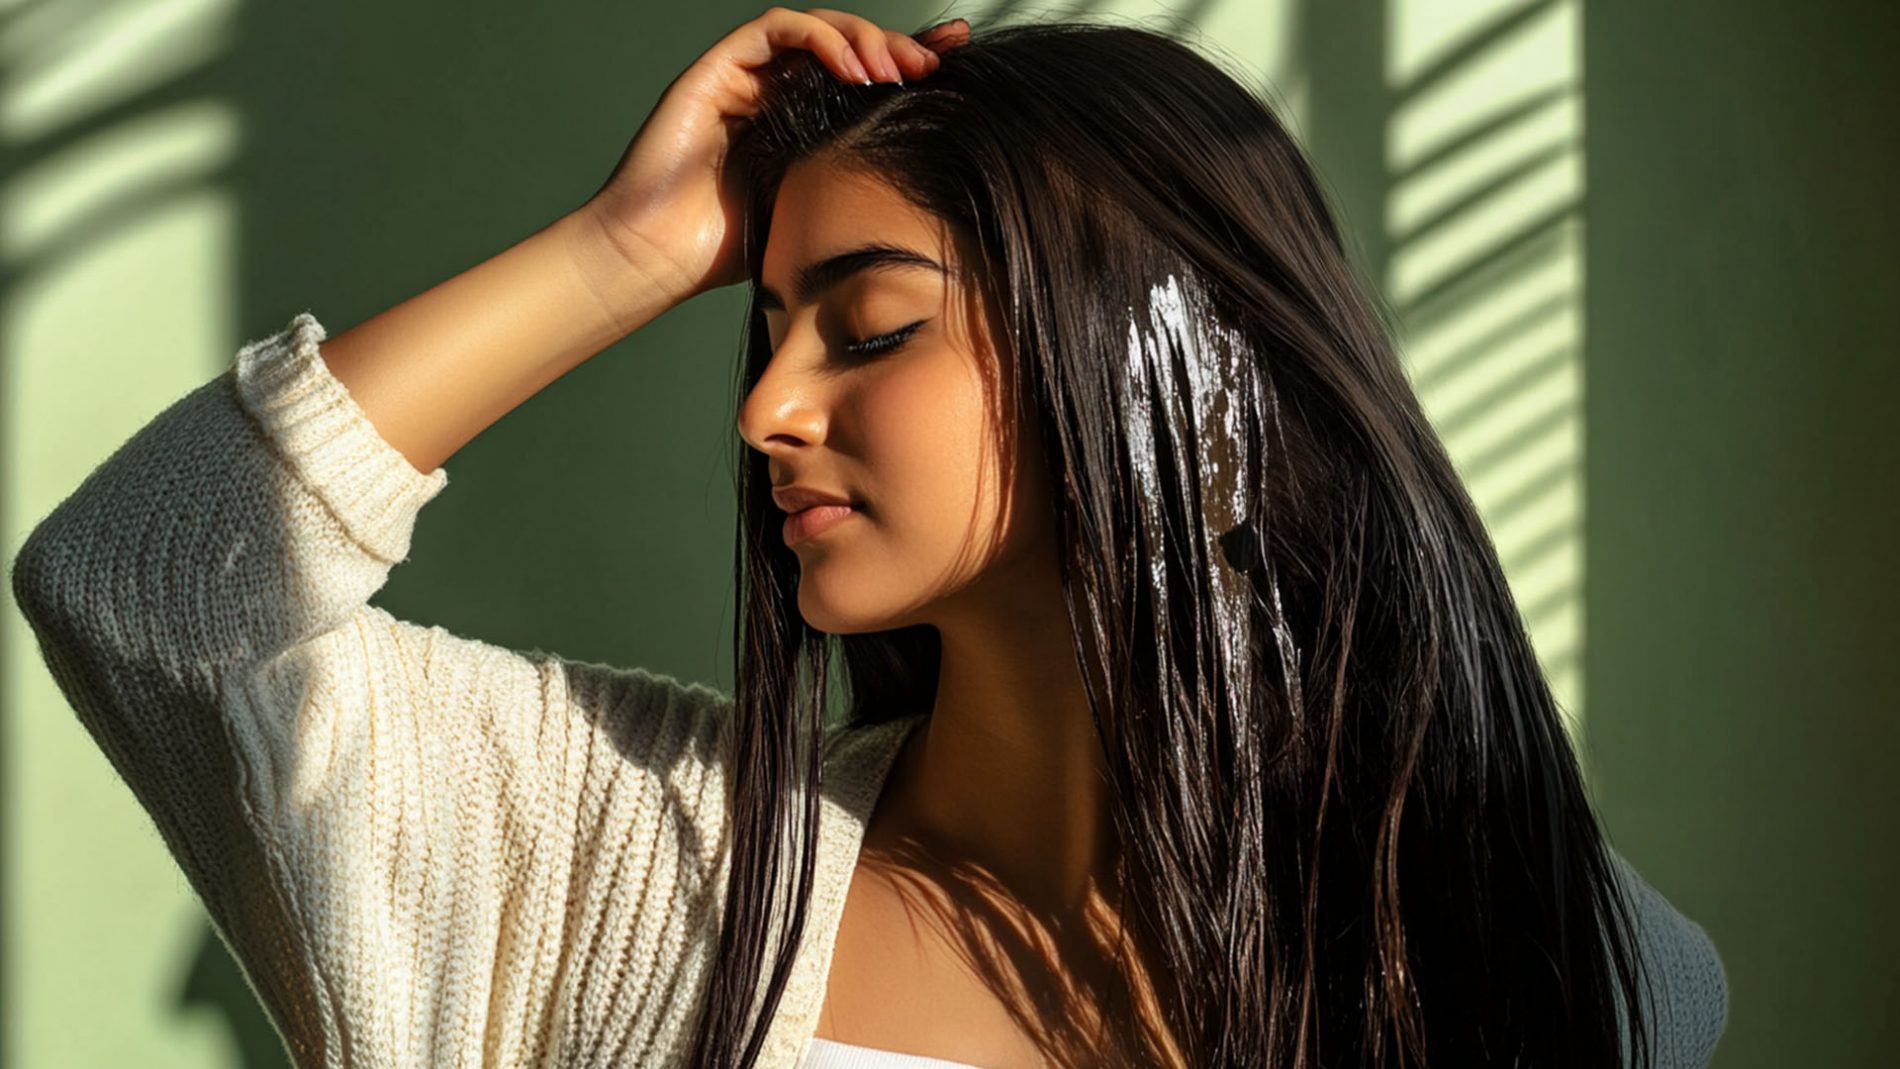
(795, 498)
(814, 521)
(811, 511)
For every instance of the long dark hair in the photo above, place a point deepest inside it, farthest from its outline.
(1355, 827)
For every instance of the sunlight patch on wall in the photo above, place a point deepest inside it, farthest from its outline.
(118, 229)
(1485, 215)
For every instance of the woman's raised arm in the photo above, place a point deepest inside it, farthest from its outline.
(441, 367)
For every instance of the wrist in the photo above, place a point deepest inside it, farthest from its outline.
(632, 281)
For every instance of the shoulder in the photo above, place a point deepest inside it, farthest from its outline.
(1685, 981)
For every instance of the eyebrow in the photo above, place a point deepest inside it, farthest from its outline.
(815, 278)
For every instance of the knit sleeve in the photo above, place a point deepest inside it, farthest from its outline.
(1685, 986)
(422, 849)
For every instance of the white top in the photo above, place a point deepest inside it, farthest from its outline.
(830, 1054)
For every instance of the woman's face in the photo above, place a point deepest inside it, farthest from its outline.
(950, 516)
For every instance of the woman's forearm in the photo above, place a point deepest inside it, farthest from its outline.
(441, 367)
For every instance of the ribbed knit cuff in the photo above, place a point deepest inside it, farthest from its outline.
(329, 441)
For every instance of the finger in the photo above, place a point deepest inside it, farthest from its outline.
(868, 39)
(785, 28)
(915, 59)
(945, 34)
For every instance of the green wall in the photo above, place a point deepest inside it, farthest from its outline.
(1744, 566)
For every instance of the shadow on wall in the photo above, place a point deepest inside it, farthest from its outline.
(214, 984)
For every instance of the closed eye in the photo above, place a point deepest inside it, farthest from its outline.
(883, 342)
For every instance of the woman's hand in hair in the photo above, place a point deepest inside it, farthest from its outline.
(670, 207)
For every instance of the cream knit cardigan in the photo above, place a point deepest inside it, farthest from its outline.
(423, 849)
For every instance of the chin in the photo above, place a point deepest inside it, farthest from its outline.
(833, 623)
(839, 616)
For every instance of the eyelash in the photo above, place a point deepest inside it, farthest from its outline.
(883, 343)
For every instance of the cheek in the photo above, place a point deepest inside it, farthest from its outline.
(927, 442)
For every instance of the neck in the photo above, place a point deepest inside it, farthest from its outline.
(1006, 773)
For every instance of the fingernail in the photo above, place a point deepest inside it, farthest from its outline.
(857, 67)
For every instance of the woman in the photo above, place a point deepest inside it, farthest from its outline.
(1190, 719)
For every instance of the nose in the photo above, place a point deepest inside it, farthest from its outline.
(787, 409)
